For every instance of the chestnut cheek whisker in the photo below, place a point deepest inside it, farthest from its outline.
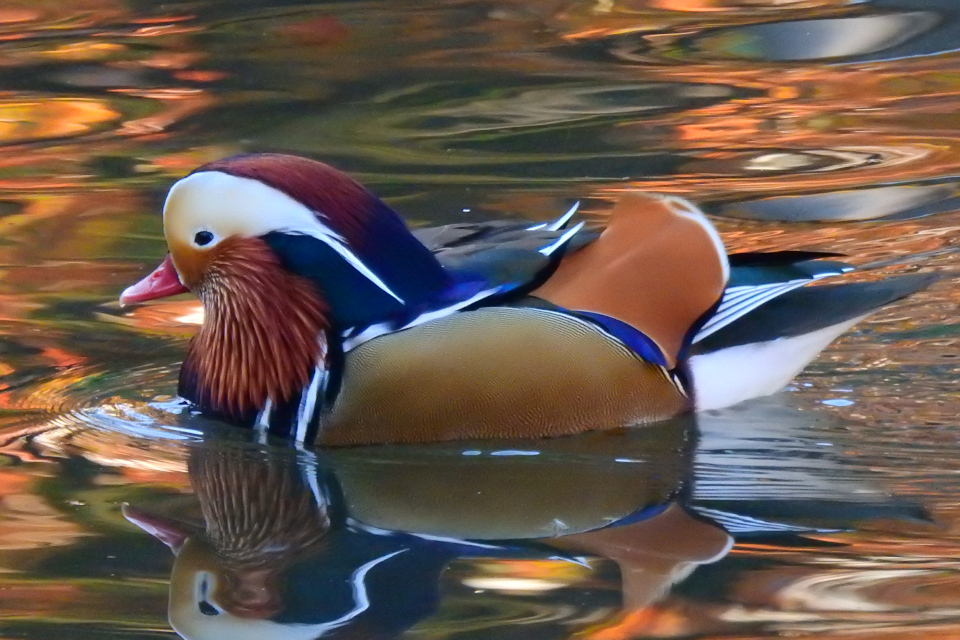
(260, 338)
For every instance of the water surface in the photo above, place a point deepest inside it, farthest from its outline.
(829, 510)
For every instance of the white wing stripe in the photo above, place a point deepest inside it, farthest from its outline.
(752, 297)
(731, 297)
(740, 305)
(730, 307)
(562, 240)
(740, 309)
(383, 328)
(559, 223)
(357, 264)
(562, 221)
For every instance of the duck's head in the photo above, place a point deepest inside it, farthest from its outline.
(285, 253)
(318, 223)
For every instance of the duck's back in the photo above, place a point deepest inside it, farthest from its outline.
(599, 352)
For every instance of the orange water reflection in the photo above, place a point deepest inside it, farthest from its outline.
(461, 111)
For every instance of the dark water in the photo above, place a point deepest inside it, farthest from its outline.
(829, 510)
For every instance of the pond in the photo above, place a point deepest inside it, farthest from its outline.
(828, 510)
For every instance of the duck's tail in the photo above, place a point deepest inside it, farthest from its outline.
(761, 351)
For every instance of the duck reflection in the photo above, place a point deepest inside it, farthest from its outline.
(360, 543)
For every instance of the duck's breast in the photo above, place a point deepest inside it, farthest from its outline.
(495, 372)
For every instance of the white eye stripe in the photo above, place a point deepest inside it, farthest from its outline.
(227, 205)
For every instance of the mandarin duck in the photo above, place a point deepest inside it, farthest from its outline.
(326, 320)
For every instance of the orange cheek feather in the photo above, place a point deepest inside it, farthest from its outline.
(262, 336)
(192, 264)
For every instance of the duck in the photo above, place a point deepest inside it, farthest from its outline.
(329, 322)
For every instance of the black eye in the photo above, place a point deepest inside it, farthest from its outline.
(203, 238)
(207, 609)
